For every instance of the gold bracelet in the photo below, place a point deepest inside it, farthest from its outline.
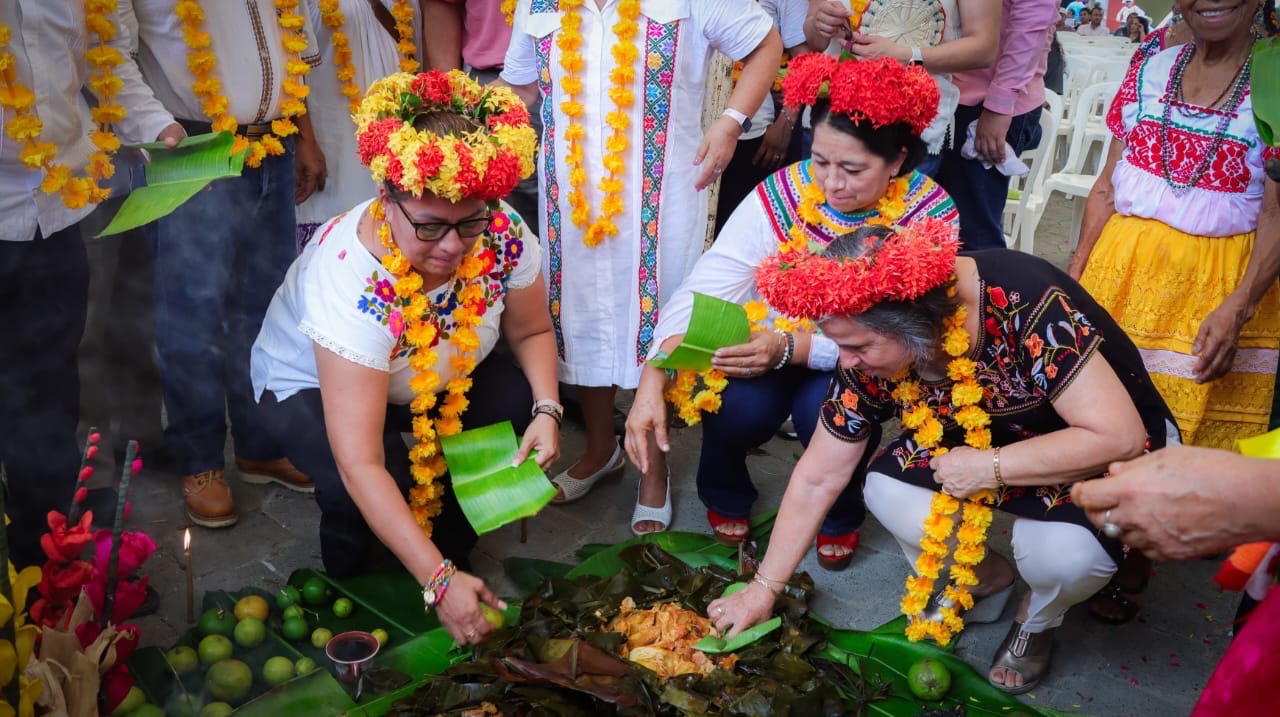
(768, 583)
(995, 463)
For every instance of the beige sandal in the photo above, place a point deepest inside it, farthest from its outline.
(1027, 654)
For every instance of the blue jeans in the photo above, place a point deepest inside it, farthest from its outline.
(980, 193)
(219, 259)
(751, 412)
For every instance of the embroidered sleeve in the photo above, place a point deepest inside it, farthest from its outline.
(1055, 341)
(361, 321)
(854, 402)
(1123, 114)
(521, 255)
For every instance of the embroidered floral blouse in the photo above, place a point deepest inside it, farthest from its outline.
(337, 295)
(1039, 328)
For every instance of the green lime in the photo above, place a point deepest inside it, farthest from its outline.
(217, 709)
(294, 628)
(182, 704)
(276, 670)
(287, 596)
(929, 679)
(342, 607)
(249, 632)
(321, 637)
(315, 592)
(229, 680)
(133, 700)
(381, 636)
(213, 648)
(147, 710)
(305, 665)
(292, 611)
(182, 659)
(493, 615)
(216, 621)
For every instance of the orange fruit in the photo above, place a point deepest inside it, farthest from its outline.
(252, 606)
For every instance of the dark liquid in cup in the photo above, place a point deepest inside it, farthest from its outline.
(352, 650)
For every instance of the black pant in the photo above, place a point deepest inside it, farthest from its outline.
(348, 546)
(44, 286)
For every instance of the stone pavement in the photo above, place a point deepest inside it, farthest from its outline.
(1155, 665)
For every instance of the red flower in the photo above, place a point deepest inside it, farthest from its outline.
(805, 77)
(116, 684)
(997, 297)
(880, 91)
(468, 178)
(63, 542)
(501, 175)
(135, 548)
(433, 87)
(61, 582)
(428, 162)
(395, 171)
(49, 614)
(373, 140)
(517, 116)
(129, 596)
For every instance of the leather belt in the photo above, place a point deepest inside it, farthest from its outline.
(258, 129)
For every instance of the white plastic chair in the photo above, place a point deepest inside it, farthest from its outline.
(1076, 179)
(1024, 213)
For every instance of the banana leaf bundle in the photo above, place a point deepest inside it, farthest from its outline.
(560, 660)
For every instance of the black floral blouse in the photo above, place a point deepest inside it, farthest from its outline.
(1039, 327)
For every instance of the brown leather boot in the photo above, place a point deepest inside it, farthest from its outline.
(280, 471)
(209, 500)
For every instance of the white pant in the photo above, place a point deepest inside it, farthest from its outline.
(1063, 563)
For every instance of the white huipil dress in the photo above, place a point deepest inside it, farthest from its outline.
(604, 300)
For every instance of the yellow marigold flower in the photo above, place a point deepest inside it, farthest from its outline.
(55, 177)
(969, 554)
(938, 527)
(919, 585)
(969, 533)
(916, 417)
(945, 504)
(466, 340)
(103, 56)
(917, 630)
(756, 311)
(934, 547)
(971, 417)
(100, 167)
(448, 426)
(930, 433)
(292, 22)
(939, 634)
(960, 368)
(956, 342)
(23, 127)
(960, 596)
(454, 405)
(295, 44)
(271, 145)
(966, 393)
(107, 113)
(963, 575)
(951, 620)
(707, 401)
(908, 392)
(913, 604)
(76, 192)
(35, 153)
(928, 566)
(105, 85)
(979, 438)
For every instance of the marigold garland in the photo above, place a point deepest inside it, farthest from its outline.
(25, 127)
(683, 391)
(332, 16)
(203, 63)
(402, 11)
(966, 395)
(508, 8)
(624, 52)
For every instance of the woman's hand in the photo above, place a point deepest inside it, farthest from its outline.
(773, 146)
(1216, 342)
(648, 414)
(749, 606)
(715, 151)
(869, 47)
(542, 435)
(753, 358)
(824, 21)
(964, 471)
(459, 610)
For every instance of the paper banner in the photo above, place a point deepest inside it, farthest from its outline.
(174, 175)
(491, 492)
(713, 324)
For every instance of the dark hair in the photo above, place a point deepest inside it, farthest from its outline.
(439, 122)
(886, 142)
(917, 323)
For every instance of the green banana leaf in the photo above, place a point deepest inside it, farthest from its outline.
(490, 490)
(528, 573)
(1264, 90)
(716, 645)
(174, 175)
(695, 549)
(713, 324)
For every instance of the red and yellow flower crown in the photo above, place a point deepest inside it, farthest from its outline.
(483, 164)
(882, 91)
(906, 264)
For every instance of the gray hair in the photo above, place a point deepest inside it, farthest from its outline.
(918, 323)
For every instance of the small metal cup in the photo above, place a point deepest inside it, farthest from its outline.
(351, 653)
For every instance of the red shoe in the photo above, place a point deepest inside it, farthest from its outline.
(848, 541)
(726, 529)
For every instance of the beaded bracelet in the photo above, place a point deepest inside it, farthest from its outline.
(433, 592)
(787, 352)
(556, 416)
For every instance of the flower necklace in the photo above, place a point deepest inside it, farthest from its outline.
(1239, 85)
(207, 88)
(966, 394)
(402, 11)
(624, 52)
(423, 333)
(333, 18)
(683, 393)
(25, 127)
(891, 207)
(508, 8)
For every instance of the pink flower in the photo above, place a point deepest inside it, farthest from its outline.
(384, 290)
(396, 323)
(129, 596)
(135, 548)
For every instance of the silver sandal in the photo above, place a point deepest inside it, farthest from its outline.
(1026, 653)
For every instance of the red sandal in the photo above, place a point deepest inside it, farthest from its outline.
(848, 541)
(729, 537)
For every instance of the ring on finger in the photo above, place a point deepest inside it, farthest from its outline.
(1111, 530)
(469, 634)
(719, 609)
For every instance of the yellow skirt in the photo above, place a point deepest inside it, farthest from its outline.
(1159, 283)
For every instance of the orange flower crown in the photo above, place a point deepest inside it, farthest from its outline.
(908, 263)
(483, 164)
(882, 91)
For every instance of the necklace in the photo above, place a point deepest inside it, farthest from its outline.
(624, 53)
(402, 11)
(1238, 86)
(24, 126)
(332, 16)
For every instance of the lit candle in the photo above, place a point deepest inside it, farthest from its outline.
(191, 597)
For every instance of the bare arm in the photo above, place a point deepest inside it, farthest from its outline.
(442, 23)
(976, 49)
(527, 327)
(528, 94)
(1098, 209)
(1103, 426)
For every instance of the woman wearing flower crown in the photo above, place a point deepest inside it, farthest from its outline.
(388, 322)
(865, 149)
(1011, 384)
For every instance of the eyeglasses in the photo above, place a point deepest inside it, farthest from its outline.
(435, 231)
